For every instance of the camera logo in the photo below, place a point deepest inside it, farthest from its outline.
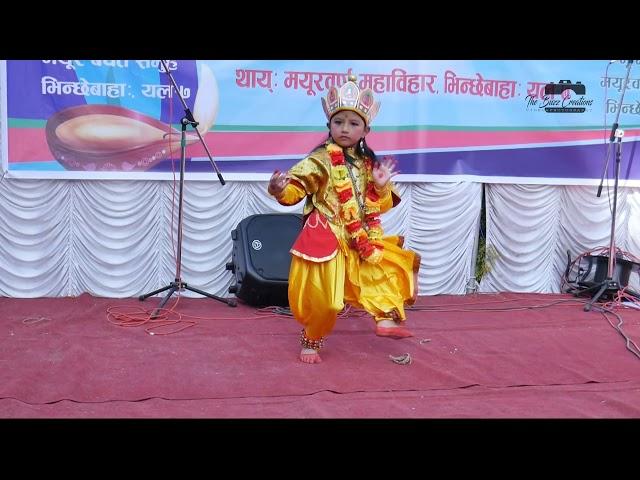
(561, 97)
(558, 88)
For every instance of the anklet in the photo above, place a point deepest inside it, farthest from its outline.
(312, 344)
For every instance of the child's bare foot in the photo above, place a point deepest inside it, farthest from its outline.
(389, 328)
(309, 355)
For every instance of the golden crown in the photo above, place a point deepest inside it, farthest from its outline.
(350, 97)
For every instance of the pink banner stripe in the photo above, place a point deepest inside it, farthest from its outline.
(28, 145)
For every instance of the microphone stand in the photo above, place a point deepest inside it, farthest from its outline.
(609, 285)
(614, 127)
(178, 284)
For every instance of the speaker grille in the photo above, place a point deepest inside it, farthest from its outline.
(261, 259)
(269, 239)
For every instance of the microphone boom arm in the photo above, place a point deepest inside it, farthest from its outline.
(189, 116)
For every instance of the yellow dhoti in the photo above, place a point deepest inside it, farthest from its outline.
(319, 291)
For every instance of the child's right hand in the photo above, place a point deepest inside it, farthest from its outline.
(278, 183)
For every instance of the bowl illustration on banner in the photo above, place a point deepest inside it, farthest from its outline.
(113, 138)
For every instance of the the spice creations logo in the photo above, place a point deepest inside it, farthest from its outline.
(562, 97)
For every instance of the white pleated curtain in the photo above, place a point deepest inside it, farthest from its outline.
(532, 227)
(114, 238)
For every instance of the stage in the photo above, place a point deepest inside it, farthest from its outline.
(503, 355)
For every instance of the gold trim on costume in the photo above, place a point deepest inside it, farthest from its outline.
(320, 220)
(313, 259)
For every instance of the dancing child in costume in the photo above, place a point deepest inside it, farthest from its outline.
(342, 255)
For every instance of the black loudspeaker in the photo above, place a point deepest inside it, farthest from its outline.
(593, 271)
(260, 258)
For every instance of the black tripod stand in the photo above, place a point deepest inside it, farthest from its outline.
(178, 284)
(609, 286)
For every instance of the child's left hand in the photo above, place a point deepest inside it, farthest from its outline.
(384, 171)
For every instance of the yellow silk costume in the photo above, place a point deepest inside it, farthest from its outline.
(319, 287)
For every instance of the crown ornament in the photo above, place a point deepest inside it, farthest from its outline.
(351, 97)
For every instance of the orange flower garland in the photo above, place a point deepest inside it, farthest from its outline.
(364, 238)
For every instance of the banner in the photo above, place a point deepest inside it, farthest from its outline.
(530, 121)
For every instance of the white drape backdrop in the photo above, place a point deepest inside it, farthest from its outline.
(531, 228)
(112, 238)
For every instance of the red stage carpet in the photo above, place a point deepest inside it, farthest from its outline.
(491, 357)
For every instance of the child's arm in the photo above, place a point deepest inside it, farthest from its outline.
(286, 191)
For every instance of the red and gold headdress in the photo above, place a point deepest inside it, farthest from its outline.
(350, 97)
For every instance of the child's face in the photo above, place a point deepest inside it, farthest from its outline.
(347, 128)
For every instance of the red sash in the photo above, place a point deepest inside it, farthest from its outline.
(316, 241)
